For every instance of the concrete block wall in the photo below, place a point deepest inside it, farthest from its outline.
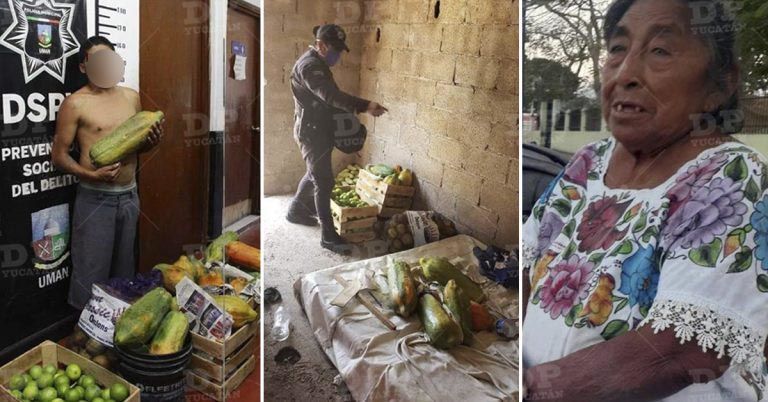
(447, 71)
(287, 34)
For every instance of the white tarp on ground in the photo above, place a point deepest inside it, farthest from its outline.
(378, 364)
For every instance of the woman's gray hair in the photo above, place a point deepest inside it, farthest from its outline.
(717, 30)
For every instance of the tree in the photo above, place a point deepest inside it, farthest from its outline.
(569, 32)
(545, 80)
(753, 39)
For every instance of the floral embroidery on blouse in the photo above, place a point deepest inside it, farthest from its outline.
(690, 254)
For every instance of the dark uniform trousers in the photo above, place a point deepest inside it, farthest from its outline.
(317, 98)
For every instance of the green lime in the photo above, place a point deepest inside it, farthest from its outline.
(105, 393)
(73, 372)
(16, 394)
(62, 389)
(45, 380)
(30, 391)
(17, 382)
(59, 372)
(81, 390)
(47, 394)
(92, 392)
(62, 379)
(118, 392)
(58, 400)
(50, 369)
(86, 381)
(97, 399)
(36, 371)
(27, 378)
(72, 395)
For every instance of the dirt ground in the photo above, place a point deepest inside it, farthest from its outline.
(290, 252)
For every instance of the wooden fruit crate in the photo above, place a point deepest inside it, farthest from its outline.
(216, 369)
(349, 222)
(51, 353)
(389, 198)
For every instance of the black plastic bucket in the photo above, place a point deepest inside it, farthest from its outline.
(160, 378)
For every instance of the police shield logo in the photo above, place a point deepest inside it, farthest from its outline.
(41, 33)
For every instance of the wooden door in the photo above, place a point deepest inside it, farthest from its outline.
(242, 138)
(173, 177)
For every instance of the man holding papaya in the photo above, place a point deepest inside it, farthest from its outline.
(106, 208)
(317, 98)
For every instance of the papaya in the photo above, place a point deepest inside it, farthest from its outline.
(240, 311)
(238, 284)
(171, 334)
(442, 330)
(212, 278)
(185, 263)
(405, 177)
(481, 318)
(402, 289)
(458, 305)
(140, 321)
(172, 275)
(380, 170)
(441, 270)
(244, 255)
(126, 139)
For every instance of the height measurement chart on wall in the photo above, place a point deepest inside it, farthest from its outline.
(118, 21)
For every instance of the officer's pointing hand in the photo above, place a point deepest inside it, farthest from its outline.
(376, 109)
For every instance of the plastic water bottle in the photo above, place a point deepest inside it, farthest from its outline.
(508, 327)
(281, 324)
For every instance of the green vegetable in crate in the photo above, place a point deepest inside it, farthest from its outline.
(402, 288)
(443, 331)
(215, 250)
(380, 170)
(458, 304)
(392, 179)
(171, 335)
(441, 270)
(126, 139)
(140, 321)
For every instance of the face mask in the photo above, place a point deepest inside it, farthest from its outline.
(332, 57)
(104, 68)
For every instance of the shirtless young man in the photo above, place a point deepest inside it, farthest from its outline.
(107, 204)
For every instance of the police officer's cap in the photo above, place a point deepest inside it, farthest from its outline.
(333, 35)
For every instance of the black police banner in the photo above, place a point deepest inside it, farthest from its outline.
(39, 45)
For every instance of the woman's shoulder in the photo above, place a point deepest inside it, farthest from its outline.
(584, 164)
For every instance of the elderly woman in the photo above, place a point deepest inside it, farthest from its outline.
(646, 258)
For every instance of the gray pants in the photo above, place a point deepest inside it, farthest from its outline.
(103, 240)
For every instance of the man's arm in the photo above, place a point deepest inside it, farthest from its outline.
(322, 85)
(66, 130)
(636, 366)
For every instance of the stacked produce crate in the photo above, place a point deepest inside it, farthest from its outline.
(390, 190)
(217, 368)
(353, 218)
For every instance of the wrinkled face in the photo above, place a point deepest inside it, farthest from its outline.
(104, 67)
(655, 75)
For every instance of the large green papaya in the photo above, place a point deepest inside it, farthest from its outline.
(459, 304)
(441, 270)
(171, 335)
(402, 289)
(140, 321)
(126, 139)
(215, 250)
(443, 331)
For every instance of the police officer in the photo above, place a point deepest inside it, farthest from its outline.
(317, 98)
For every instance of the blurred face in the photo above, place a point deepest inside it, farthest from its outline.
(103, 66)
(655, 75)
(329, 53)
